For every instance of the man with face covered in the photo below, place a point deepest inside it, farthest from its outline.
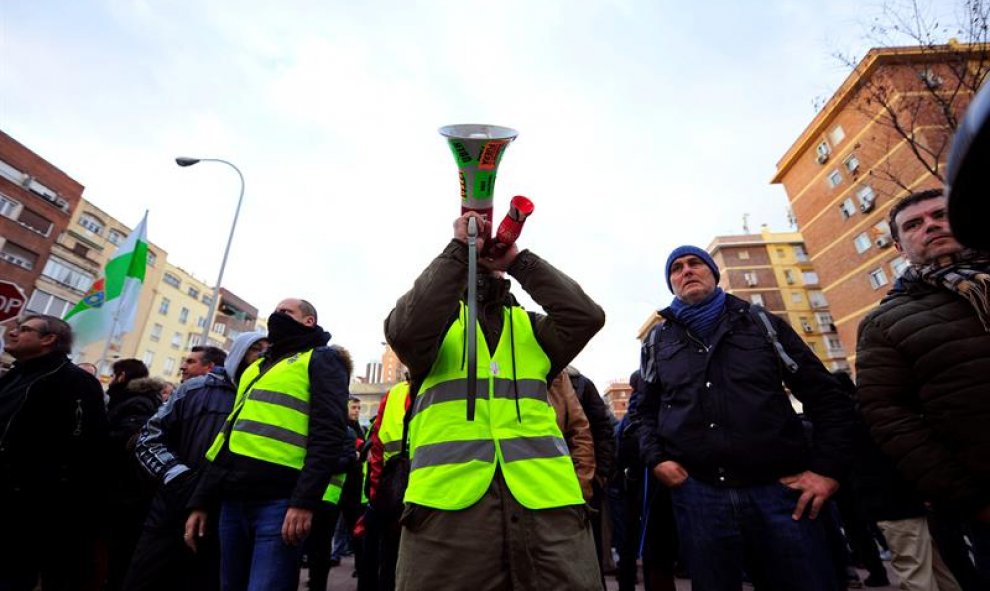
(493, 501)
(282, 451)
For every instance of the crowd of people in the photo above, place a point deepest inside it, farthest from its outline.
(514, 474)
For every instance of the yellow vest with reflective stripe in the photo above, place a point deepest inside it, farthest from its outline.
(390, 429)
(453, 460)
(270, 421)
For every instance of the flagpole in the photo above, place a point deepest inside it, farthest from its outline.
(120, 306)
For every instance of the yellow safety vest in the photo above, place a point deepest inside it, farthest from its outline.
(390, 429)
(270, 419)
(453, 460)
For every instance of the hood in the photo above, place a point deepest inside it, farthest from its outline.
(241, 344)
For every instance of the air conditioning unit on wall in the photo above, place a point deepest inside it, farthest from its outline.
(882, 241)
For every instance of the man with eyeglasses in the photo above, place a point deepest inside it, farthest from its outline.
(53, 432)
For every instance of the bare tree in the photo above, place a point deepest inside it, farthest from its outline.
(925, 75)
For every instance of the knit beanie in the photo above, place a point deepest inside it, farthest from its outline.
(685, 250)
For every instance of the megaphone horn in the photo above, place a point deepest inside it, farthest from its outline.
(478, 149)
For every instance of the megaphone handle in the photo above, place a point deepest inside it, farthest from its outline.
(472, 318)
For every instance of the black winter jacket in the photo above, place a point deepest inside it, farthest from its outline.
(923, 368)
(53, 436)
(722, 412)
(328, 452)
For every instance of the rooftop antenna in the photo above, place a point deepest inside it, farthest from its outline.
(745, 223)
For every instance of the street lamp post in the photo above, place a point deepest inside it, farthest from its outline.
(181, 161)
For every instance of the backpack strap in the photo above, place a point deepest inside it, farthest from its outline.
(760, 314)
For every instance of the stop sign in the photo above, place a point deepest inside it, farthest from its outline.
(12, 300)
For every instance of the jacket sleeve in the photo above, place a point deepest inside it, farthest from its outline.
(572, 316)
(152, 449)
(328, 449)
(376, 455)
(888, 397)
(416, 326)
(646, 414)
(581, 443)
(830, 411)
(601, 427)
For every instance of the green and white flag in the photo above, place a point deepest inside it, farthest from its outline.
(111, 303)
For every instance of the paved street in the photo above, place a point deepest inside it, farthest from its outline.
(341, 580)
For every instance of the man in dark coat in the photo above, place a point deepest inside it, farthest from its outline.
(717, 427)
(923, 365)
(53, 430)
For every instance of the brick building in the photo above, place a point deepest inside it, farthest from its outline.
(851, 163)
(36, 204)
(773, 270)
(616, 396)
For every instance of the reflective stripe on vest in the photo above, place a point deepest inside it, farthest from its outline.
(390, 429)
(271, 419)
(453, 460)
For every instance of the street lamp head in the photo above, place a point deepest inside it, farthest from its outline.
(183, 161)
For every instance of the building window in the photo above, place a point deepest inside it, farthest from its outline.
(208, 300)
(219, 327)
(810, 278)
(796, 297)
(183, 315)
(817, 299)
(800, 254)
(115, 237)
(35, 221)
(195, 340)
(881, 228)
(837, 135)
(805, 325)
(756, 299)
(877, 278)
(824, 320)
(780, 253)
(789, 276)
(171, 280)
(156, 333)
(847, 208)
(852, 163)
(201, 322)
(163, 306)
(176, 340)
(169, 366)
(751, 278)
(18, 255)
(67, 274)
(7, 206)
(743, 255)
(193, 292)
(91, 223)
(863, 242)
(834, 178)
(152, 259)
(898, 266)
(45, 303)
(834, 345)
(148, 359)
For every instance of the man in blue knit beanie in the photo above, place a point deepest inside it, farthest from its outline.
(718, 429)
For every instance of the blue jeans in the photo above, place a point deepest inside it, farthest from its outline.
(253, 556)
(724, 530)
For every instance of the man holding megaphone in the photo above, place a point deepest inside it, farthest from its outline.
(493, 501)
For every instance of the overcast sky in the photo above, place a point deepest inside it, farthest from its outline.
(642, 125)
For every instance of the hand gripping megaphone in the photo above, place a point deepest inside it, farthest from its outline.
(478, 150)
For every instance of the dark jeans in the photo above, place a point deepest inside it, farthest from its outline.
(253, 556)
(721, 529)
